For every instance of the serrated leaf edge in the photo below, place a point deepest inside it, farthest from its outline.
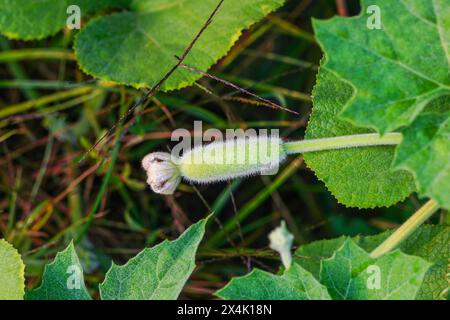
(70, 247)
(323, 65)
(22, 265)
(181, 85)
(120, 267)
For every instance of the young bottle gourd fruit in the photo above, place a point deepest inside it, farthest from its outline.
(242, 157)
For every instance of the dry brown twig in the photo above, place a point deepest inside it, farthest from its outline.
(179, 63)
(156, 87)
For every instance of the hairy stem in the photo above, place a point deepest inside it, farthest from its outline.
(407, 228)
(357, 140)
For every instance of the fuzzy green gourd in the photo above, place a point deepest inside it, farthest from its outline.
(221, 161)
(242, 157)
(218, 161)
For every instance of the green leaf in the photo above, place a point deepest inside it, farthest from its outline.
(310, 255)
(338, 272)
(357, 177)
(138, 48)
(62, 279)
(401, 277)
(433, 244)
(157, 273)
(398, 79)
(37, 19)
(425, 151)
(348, 276)
(295, 284)
(394, 74)
(12, 270)
(429, 242)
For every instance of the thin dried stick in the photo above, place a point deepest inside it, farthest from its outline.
(155, 88)
(236, 87)
(342, 8)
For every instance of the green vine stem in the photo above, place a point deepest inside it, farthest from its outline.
(341, 142)
(407, 228)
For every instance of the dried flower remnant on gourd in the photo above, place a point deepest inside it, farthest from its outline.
(163, 175)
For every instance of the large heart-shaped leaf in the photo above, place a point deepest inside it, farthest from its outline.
(396, 77)
(357, 177)
(396, 69)
(139, 47)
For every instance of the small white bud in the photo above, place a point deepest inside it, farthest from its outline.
(163, 175)
(281, 241)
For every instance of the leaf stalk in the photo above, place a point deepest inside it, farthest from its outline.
(407, 228)
(342, 142)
